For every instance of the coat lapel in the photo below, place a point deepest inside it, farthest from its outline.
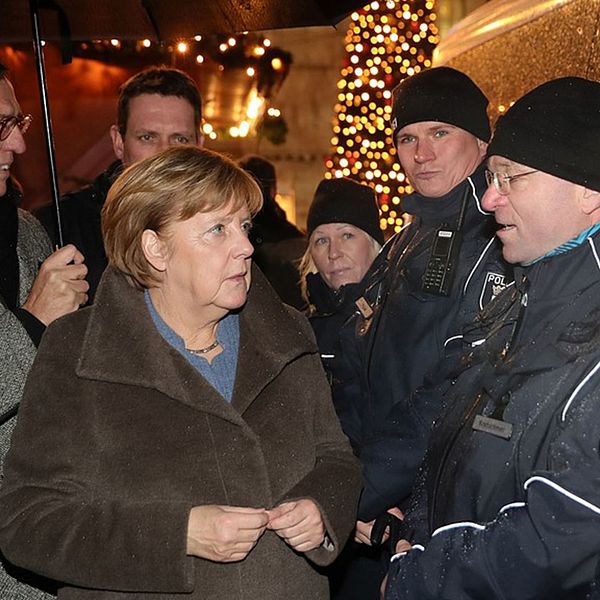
(122, 345)
(270, 338)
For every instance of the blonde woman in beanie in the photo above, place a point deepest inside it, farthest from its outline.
(344, 239)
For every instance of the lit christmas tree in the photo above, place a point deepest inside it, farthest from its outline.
(386, 42)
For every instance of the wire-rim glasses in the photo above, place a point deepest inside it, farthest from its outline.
(8, 124)
(502, 181)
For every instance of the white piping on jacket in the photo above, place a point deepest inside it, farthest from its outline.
(477, 201)
(483, 253)
(401, 554)
(563, 491)
(512, 505)
(594, 251)
(452, 338)
(576, 391)
(456, 525)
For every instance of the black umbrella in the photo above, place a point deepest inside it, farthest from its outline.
(168, 20)
(159, 20)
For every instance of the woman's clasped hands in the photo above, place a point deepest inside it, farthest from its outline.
(228, 533)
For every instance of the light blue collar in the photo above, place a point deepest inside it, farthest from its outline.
(574, 243)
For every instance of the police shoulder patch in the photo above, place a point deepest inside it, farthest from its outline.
(493, 285)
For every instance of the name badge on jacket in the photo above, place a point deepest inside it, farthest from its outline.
(500, 429)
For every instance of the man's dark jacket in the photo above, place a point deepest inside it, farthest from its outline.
(513, 504)
(411, 331)
(80, 217)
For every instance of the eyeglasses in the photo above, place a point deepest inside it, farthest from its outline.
(7, 125)
(502, 181)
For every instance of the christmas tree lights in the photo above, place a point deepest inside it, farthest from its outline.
(386, 42)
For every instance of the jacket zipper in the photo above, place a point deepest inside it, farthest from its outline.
(446, 454)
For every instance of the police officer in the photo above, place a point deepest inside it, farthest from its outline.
(429, 281)
(510, 489)
(437, 274)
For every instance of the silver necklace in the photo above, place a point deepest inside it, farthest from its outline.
(201, 351)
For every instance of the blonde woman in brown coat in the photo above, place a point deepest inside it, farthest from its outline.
(177, 439)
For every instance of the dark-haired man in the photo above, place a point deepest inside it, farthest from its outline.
(36, 287)
(157, 108)
(509, 496)
(278, 244)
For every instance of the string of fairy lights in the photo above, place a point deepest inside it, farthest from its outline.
(386, 42)
(265, 65)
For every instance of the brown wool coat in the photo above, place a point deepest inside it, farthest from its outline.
(118, 437)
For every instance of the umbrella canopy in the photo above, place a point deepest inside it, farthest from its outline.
(164, 20)
(159, 20)
(511, 46)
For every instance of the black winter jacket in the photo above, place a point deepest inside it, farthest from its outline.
(511, 483)
(411, 331)
(331, 316)
(80, 217)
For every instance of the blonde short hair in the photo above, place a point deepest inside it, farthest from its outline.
(307, 264)
(157, 191)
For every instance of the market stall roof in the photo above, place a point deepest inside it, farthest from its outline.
(511, 46)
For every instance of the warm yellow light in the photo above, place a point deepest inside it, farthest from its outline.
(277, 64)
(115, 42)
(244, 128)
(259, 50)
(198, 38)
(250, 71)
(182, 47)
(146, 43)
(254, 107)
(232, 41)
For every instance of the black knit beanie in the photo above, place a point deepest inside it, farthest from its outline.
(555, 128)
(441, 94)
(345, 201)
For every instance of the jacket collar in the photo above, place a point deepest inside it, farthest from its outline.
(102, 183)
(447, 207)
(122, 345)
(326, 301)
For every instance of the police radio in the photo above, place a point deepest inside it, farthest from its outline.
(443, 262)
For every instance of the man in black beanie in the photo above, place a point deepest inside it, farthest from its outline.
(430, 281)
(507, 503)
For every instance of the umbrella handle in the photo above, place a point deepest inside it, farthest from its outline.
(49, 137)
